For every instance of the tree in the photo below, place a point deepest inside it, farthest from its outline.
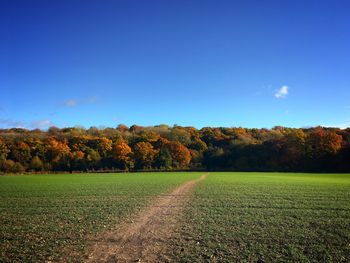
(53, 131)
(92, 156)
(122, 154)
(213, 158)
(293, 149)
(321, 142)
(278, 149)
(3, 151)
(102, 145)
(57, 150)
(7, 165)
(77, 160)
(198, 145)
(36, 164)
(10, 166)
(37, 147)
(332, 142)
(181, 156)
(135, 129)
(20, 152)
(180, 134)
(148, 136)
(58, 153)
(144, 155)
(163, 159)
(122, 128)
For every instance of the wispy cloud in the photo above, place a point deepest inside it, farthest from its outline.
(7, 123)
(77, 102)
(282, 92)
(40, 124)
(34, 124)
(344, 125)
(70, 103)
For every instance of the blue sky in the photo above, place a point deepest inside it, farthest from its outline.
(199, 63)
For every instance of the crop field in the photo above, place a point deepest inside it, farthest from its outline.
(271, 217)
(45, 217)
(227, 217)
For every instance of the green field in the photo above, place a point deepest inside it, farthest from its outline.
(274, 217)
(43, 217)
(231, 217)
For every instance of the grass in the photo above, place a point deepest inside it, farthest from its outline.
(267, 217)
(232, 217)
(45, 217)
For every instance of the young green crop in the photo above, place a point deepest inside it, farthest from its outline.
(232, 217)
(267, 217)
(45, 217)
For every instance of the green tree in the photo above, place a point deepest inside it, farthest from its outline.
(36, 164)
(3, 151)
(164, 159)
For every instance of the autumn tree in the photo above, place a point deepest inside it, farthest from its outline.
(293, 148)
(122, 128)
(144, 154)
(37, 147)
(163, 147)
(181, 156)
(332, 142)
(179, 134)
(78, 160)
(122, 154)
(102, 146)
(93, 156)
(321, 142)
(59, 153)
(20, 152)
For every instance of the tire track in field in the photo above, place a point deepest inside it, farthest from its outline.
(145, 238)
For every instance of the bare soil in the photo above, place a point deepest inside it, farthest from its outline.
(145, 237)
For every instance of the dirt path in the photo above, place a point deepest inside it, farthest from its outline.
(144, 238)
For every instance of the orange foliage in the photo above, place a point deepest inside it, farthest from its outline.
(180, 154)
(144, 154)
(79, 155)
(58, 149)
(323, 141)
(122, 153)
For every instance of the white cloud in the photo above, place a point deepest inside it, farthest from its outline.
(41, 124)
(34, 124)
(282, 92)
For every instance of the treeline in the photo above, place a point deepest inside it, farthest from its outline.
(315, 149)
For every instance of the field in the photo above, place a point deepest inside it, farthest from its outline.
(43, 217)
(227, 217)
(271, 217)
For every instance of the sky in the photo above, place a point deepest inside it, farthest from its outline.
(191, 63)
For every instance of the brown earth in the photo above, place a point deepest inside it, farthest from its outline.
(146, 236)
